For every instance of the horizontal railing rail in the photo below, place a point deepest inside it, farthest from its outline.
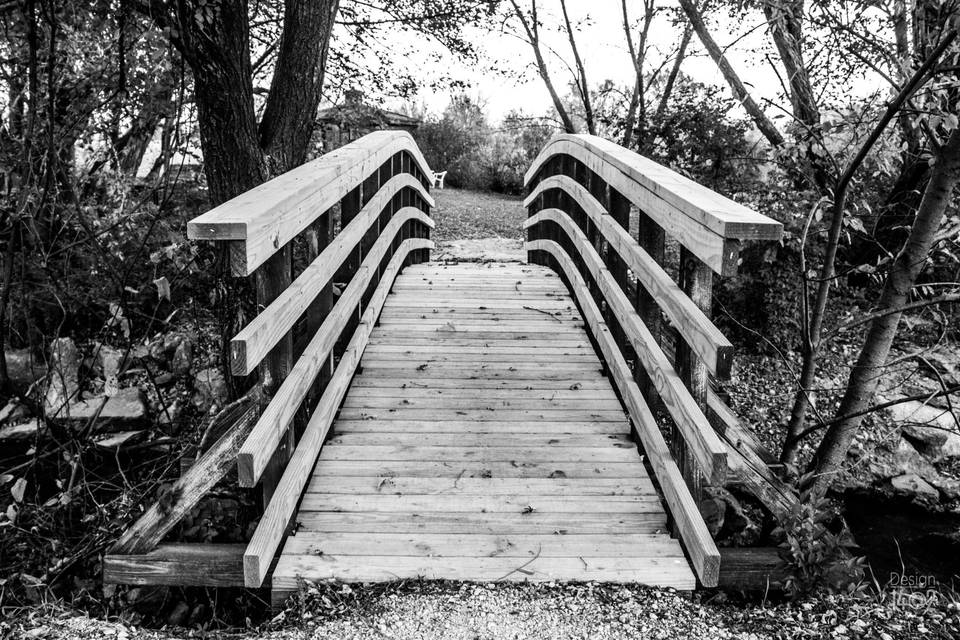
(355, 217)
(582, 193)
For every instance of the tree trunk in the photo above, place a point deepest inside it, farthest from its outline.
(764, 124)
(533, 39)
(785, 22)
(289, 115)
(876, 347)
(581, 78)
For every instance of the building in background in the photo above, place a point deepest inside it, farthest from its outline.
(342, 124)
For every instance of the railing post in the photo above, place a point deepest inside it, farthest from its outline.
(318, 237)
(696, 280)
(651, 238)
(270, 280)
(533, 233)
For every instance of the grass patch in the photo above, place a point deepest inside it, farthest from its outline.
(468, 215)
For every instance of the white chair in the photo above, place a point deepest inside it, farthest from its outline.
(438, 179)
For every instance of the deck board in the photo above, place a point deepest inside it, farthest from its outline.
(480, 434)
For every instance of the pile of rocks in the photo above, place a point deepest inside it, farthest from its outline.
(109, 391)
(917, 462)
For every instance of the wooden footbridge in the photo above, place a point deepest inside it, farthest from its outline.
(552, 420)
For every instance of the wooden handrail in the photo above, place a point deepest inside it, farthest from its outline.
(708, 224)
(255, 453)
(267, 217)
(380, 188)
(253, 343)
(697, 329)
(700, 546)
(704, 443)
(277, 517)
(582, 195)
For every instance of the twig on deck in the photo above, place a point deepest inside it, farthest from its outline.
(552, 317)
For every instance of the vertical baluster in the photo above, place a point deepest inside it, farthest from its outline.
(651, 238)
(270, 280)
(318, 237)
(696, 280)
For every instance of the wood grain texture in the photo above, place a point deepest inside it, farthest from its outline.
(678, 194)
(276, 320)
(463, 443)
(703, 552)
(280, 511)
(183, 564)
(704, 444)
(270, 215)
(254, 455)
(693, 324)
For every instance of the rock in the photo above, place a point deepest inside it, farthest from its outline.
(164, 379)
(172, 413)
(932, 430)
(13, 412)
(118, 440)
(182, 357)
(23, 431)
(128, 405)
(211, 389)
(23, 368)
(713, 508)
(179, 614)
(110, 360)
(913, 485)
(63, 379)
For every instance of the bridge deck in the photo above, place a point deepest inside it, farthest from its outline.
(480, 441)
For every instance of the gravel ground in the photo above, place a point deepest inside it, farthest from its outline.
(508, 611)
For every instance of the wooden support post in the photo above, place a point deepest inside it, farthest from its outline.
(271, 279)
(533, 233)
(696, 280)
(651, 238)
(318, 238)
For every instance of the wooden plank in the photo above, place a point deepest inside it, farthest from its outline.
(482, 545)
(279, 513)
(694, 325)
(518, 506)
(466, 372)
(748, 464)
(270, 215)
(518, 349)
(704, 443)
(388, 453)
(478, 469)
(672, 572)
(265, 436)
(179, 564)
(554, 487)
(160, 517)
(465, 341)
(693, 531)
(249, 346)
(482, 415)
(752, 569)
(442, 522)
(465, 392)
(486, 427)
(673, 193)
(487, 404)
(426, 382)
(396, 437)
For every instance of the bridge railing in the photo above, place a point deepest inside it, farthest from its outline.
(653, 328)
(355, 217)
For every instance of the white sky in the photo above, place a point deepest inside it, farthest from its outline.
(603, 47)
